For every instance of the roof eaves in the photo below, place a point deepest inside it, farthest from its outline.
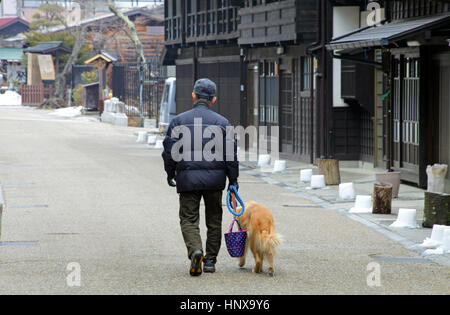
(14, 20)
(340, 43)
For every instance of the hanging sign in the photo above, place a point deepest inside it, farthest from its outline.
(46, 67)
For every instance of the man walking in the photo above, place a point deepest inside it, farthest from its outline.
(197, 176)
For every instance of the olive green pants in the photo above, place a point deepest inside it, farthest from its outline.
(190, 219)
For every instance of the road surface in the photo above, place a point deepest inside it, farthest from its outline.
(89, 211)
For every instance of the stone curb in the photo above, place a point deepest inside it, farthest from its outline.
(408, 244)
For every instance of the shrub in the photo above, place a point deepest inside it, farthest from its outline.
(78, 94)
(89, 77)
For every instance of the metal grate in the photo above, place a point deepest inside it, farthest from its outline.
(126, 87)
(367, 140)
(303, 110)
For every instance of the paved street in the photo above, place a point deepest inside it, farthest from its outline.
(77, 190)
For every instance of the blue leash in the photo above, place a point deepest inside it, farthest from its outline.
(230, 208)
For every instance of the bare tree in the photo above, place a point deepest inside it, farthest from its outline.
(139, 51)
(60, 80)
(132, 33)
(78, 32)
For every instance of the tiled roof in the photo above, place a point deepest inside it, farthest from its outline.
(11, 54)
(47, 47)
(6, 21)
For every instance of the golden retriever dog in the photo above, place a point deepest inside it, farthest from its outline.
(261, 236)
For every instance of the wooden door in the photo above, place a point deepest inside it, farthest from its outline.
(268, 106)
(252, 95)
(303, 110)
(286, 113)
(406, 104)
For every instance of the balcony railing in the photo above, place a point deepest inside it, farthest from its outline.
(201, 26)
(216, 24)
(172, 32)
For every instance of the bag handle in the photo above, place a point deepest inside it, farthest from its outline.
(232, 224)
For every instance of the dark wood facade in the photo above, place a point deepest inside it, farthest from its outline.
(353, 128)
(415, 87)
(200, 21)
(258, 50)
(401, 9)
(201, 39)
(269, 22)
(220, 64)
(275, 36)
(274, 52)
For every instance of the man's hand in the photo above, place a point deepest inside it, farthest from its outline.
(171, 182)
(232, 195)
(233, 183)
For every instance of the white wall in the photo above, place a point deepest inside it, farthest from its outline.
(345, 20)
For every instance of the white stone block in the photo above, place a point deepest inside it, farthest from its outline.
(406, 219)
(446, 241)
(437, 237)
(346, 191)
(152, 140)
(120, 120)
(279, 166)
(263, 160)
(363, 204)
(159, 144)
(317, 181)
(142, 137)
(305, 175)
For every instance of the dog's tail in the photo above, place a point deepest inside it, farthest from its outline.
(269, 240)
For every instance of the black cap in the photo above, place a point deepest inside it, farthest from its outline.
(205, 88)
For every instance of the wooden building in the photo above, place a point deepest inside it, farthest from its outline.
(107, 32)
(11, 26)
(336, 85)
(274, 36)
(409, 54)
(109, 37)
(256, 50)
(42, 68)
(149, 27)
(345, 102)
(201, 40)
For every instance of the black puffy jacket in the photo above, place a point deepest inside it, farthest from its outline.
(192, 169)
